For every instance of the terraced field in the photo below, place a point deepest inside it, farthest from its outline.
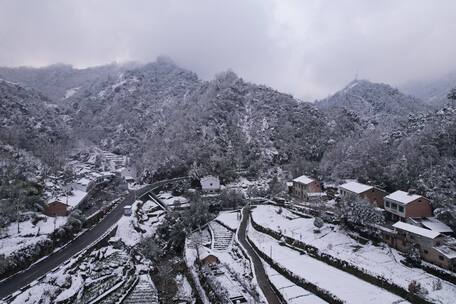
(144, 292)
(223, 237)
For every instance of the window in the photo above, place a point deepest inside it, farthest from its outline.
(387, 204)
(401, 209)
(437, 243)
(394, 206)
(425, 251)
(441, 257)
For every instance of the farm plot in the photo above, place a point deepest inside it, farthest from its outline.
(30, 232)
(376, 260)
(231, 219)
(343, 285)
(290, 291)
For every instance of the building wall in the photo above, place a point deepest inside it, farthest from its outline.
(210, 184)
(210, 260)
(56, 209)
(374, 196)
(433, 256)
(300, 190)
(418, 208)
(402, 241)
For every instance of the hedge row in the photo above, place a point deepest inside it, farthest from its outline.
(322, 293)
(343, 265)
(444, 275)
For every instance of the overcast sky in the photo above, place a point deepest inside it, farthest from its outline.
(307, 48)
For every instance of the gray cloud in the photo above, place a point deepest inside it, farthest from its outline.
(307, 48)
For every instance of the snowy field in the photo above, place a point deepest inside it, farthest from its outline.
(234, 269)
(292, 293)
(141, 219)
(343, 285)
(231, 219)
(29, 234)
(171, 201)
(377, 260)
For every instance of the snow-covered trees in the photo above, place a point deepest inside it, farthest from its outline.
(452, 94)
(413, 256)
(231, 199)
(360, 212)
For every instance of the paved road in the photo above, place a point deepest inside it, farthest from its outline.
(21, 279)
(260, 274)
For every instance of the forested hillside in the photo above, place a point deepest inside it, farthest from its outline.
(170, 122)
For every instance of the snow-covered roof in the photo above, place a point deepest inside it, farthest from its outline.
(209, 177)
(355, 187)
(316, 194)
(84, 181)
(416, 230)
(303, 179)
(447, 251)
(435, 225)
(73, 200)
(402, 197)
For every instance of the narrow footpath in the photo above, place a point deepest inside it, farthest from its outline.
(260, 274)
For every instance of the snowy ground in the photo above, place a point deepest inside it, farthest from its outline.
(129, 227)
(377, 260)
(345, 286)
(168, 199)
(12, 241)
(242, 184)
(104, 274)
(231, 219)
(292, 293)
(234, 271)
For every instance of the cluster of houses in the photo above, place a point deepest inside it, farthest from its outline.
(86, 175)
(410, 218)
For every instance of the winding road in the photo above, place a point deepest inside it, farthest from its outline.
(34, 272)
(260, 273)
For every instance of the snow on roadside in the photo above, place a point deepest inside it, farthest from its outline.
(377, 260)
(352, 290)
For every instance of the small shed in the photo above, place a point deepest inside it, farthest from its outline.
(56, 208)
(209, 260)
(210, 184)
(127, 210)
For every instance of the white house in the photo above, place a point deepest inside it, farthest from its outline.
(210, 184)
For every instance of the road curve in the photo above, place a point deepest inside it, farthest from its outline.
(260, 274)
(21, 279)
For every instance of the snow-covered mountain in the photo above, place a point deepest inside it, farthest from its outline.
(376, 103)
(434, 91)
(60, 81)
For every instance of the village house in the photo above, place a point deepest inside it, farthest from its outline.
(431, 223)
(210, 184)
(433, 246)
(56, 208)
(401, 205)
(61, 206)
(304, 185)
(371, 194)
